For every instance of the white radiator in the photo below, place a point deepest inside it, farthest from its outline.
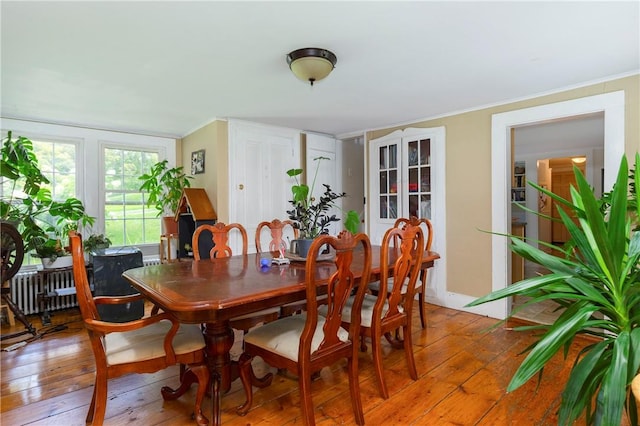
(25, 287)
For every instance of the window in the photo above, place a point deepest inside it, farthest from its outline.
(127, 219)
(101, 168)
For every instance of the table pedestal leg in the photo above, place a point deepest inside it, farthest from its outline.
(219, 340)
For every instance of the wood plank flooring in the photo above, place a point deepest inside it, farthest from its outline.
(463, 368)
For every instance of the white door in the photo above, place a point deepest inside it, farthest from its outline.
(328, 172)
(407, 178)
(260, 188)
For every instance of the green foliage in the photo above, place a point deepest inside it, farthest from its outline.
(596, 281)
(311, 216)
(27, 203)
(50, 248)
(96, 241)
(164, 187)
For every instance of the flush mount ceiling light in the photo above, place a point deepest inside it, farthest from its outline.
(579, 160)
(311, 63)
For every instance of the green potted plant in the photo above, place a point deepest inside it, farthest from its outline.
(164, 187)
(26, 203)
(596, 282)
(310, 216)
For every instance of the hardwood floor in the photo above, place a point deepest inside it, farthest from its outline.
(463, 368)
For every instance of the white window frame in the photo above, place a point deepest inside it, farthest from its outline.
(90, 159)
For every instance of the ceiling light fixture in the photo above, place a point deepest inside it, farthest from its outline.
(311, 63)
(579, 160)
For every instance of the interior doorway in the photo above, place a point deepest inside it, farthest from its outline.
(610, 104)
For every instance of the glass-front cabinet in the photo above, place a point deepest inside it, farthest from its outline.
(401, 177)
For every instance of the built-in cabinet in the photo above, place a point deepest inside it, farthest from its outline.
(519, 185)
(406, 177)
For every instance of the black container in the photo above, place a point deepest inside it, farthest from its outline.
(108, 266)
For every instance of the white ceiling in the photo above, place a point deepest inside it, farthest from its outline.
(168, 68)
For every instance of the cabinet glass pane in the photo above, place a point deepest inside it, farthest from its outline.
(425, 151)
(393, 207)
(383, 157)
(383, 182)
(425, 206)
(413, 153)
(413, 205)
(383, 207)
(393, 181)
(425, 179)
(393, 156)
(413, 180)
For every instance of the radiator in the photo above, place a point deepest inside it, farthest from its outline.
(25, 287)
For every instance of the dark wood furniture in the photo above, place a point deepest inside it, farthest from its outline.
(303, 344)
(421, 283)
(194, 209)
(214, 291)
(383, 315)
(145, 345)
(220, 237)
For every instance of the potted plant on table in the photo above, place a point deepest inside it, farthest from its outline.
(28, 204)
(312, 216)
(164, 187)
(596, 282)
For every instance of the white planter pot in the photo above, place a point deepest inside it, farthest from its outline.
(60, 262)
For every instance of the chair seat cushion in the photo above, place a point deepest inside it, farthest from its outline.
(366, 313)
(261, 313)
(283, 335)
(375, 285)
(148, 342)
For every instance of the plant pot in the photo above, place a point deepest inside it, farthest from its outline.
(300, 247)
(169, 225)
(59, 262)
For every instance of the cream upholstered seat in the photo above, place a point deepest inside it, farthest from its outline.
(421, 282)
(391, 310)
(305, 343)
(141, 346)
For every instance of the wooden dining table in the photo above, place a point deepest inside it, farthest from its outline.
(212, 291)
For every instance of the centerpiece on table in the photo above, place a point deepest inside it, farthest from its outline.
(312, 216)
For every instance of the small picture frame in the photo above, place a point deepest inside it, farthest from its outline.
(197, 162)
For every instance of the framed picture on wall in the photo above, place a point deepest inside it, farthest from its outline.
(197, 162)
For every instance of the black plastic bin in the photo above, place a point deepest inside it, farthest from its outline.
(108, 266)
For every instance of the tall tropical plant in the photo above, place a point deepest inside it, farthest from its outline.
(596, 281)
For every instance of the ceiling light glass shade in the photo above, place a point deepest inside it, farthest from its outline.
(311, 64)
(579, 160)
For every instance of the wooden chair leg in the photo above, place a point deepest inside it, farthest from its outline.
(408, 350)
(354, 387)
(423, 291)
(306, 403)
(100, 400)
(376, 349)
(92, 406)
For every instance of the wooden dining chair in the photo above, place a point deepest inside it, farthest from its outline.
(306, 343)
(276, 230)
(389, 311)
(145, 345)
(220, 233)
(421, 283)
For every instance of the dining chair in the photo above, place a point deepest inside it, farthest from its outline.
(305, 343)
(276, 230)
(145, 345)
(220, 233)
(421, 283)
(389, 311)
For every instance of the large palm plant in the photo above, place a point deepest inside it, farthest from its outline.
(596, 281)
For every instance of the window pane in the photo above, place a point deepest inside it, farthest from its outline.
(383, 157)
(425, 151)
(413, 153)
(125, 209)
(383, 207)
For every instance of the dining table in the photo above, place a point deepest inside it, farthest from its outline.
(212, 291)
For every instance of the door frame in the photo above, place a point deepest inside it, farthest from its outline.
(612, 104)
